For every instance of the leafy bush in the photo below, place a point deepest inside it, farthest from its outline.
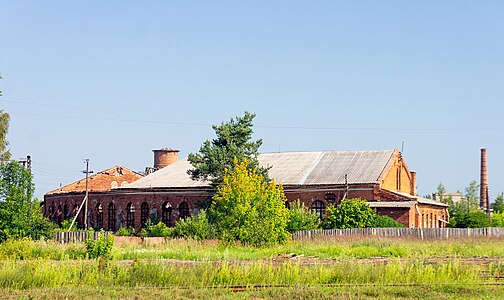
(351, 213)
(250, 209)
(386, 222)
(301, 218)
(498, 219)
(101, 247)
(195, 227)
(158, 230)
(126, 231)
(473, 219)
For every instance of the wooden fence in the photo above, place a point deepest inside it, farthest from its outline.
(420, 233)
(75, 236)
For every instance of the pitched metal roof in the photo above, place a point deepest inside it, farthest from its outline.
(290, 168)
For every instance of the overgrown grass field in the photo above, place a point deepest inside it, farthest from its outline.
(209, 269)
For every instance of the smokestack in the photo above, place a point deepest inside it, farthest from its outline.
(164, 157)
(484, 202)
(413, 183)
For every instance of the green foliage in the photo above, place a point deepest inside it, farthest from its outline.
(441, 191)
(195, 227)
(158, 230)
(4, 144)
(233, 142)
(301, 218)
(351, 213)
(386, 222)
(469, 203)
(249, 209)
(101, 247)
(126, 231)
(473, 219)
(498, 205)
(20, 213)
(498, 219)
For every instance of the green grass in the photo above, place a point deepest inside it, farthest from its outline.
(45, 269)
(360, 292)
(214, 251)
(337, 248)
(49, 274)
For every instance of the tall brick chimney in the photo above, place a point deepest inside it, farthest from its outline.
(413, 183)
(164, 157)
(484, 201)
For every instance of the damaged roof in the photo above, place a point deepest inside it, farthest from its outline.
(105, 180)
(291, 168)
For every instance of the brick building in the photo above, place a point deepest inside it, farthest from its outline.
(63, 203)
(316, 178)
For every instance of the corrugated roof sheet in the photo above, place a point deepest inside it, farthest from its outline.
(387, 204)
(421, 199)
(290, 168)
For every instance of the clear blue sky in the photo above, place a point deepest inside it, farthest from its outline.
(112, 81)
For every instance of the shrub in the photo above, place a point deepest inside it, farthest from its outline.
(250, 209)
(301, 218)
(101, 247)
(158, 230)
(126, 231)
(386, 222)
(351, 213)
(498, 219)
(473, 219)
(195, 227)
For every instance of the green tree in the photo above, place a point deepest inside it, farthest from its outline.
(473, 219)
(301, 218)
(471, 196)
(20, 213)
(4, 144)
(234, 141)
(249, 209)
(441, 191)
(351, 213)
(498, 205)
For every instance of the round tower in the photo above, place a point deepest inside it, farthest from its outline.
(164, 157)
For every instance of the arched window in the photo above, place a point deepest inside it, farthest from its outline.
(99, 216)
(59, 215)
(318, 207)
(111, 217)
(144, 213)
(130, 215)
(65, 212)
(53, 211)
(184, 210)
(166, 213)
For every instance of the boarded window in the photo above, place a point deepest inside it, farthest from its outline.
(318, 207)
(111, 217)
(184, 210)
(144, 213)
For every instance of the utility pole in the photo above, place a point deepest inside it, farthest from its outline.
(346, 186)
(86, 197)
